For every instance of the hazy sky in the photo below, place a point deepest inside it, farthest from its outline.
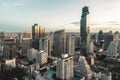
(20, 15)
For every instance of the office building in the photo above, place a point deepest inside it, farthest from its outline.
(42, 57)
(27, 34)
(59, 42)
(101, 39)
(107, 40)
(65, 67)
(9, 49)
(26, 44)
(85, 31)
(116, 36)
(77, 42)
(112, 49)
(70, 44)
(37, 32)
(6, 52)
(50, 45)
(43, 44)
(31, 54)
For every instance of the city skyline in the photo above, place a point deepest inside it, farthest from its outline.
(20, 15)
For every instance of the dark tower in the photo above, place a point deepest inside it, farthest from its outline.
(84, 32)
(37, 33)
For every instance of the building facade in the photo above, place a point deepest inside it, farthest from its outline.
(43, 44)
(37, 32)
(42, 57)
(85, 31)
(65, 67)
(70, 45)
(59, 42)
(31, 54)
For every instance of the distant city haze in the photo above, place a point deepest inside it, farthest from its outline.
(20, 15)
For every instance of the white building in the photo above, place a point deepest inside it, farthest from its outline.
(31, 54)
(92, 47)
(65, 67)
(70, 44)
(11, 62)
(83, 65)
(42, 57)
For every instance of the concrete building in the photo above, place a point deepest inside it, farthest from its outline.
(31, 54)
(112, 49)
(85, 31)
(116, 36)
(43, 44)
(33, 67)
(108, 38)
(70, 44)
(104, 76)
(42, 57)
(9, 48)
(26, 44)
(92, 47)
(1, 49)
(77, 42)
(27, 34)
(65, 67)
(6, 52)
(59, 42)
(50, 45)
(11, 62)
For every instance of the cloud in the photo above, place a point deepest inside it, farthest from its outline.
(75, 23)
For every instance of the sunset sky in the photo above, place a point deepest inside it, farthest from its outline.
(20, 15)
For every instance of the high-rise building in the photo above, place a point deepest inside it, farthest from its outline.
(43, 44)
(70, 44)
(10, 49)
(37, 32)
(31, 54)
(42, 57)
(26, 44)
(59, 42)
(85, 31)
(116, 36)
(27, 34)
(112, 49)
(107, 40)
(65, 67)
(50, 45)
(6, 52)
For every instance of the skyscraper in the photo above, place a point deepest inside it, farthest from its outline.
(59, 42)
(65, 67)
(41, 57)
(37, 32)
(70, 45)
(112, 49)
(43, 44)
(85, 32)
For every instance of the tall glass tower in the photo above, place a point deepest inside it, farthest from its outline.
(85, 32)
